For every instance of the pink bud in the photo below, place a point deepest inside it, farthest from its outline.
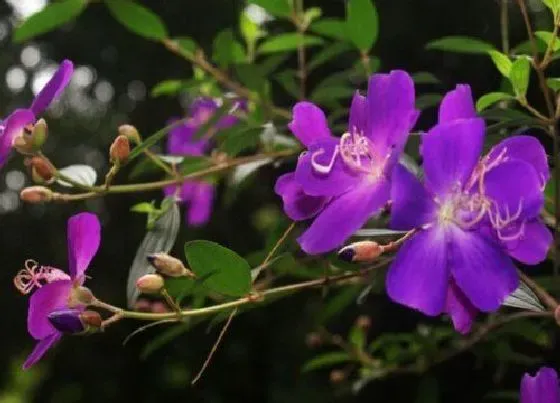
(150, 283)
(364, 251)
(120, 149)
(36, 194)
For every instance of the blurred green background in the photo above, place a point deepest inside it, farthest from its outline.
(261, 358)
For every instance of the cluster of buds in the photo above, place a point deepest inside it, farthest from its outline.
(166, 266)
(74, 321)
(32, 138)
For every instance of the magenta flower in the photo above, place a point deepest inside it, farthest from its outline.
(60, 294)
(20, 118)
(542, 388)
(343, 181)
(198, 195)
(469, 215)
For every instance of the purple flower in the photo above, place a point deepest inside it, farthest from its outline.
(84, 234)
(199, 195)
(343, 181)
(15, 123)
(542, 388)
(469, 215)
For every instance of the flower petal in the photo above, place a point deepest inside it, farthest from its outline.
(338, 180)
(411, 204)
(419, 275)
(391, 111)
(457, 104)
(481, 269)
(460, 309)
(542, 388)
(358, 118)
(532, 247)
(40, 349)
(309, 124)
(200, 204)
(181, 142)
(514, 187)
(84, 236)
(46, 299)
(53, 88)
(297, 205)
(451, 151)
(13, 127)
(343, 216)
(526, 148)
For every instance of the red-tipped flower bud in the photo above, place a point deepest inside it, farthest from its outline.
(120, 149)
(130, 132)
(36, 194)
(364, 251)
(150, 283)
(91, 319)
(168, 265)
(42, 171)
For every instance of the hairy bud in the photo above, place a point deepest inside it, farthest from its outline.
(150, 283)
(36, 194)
(130, 132)
(42, 171)
(120, 149)
(168, 265)
(364, 251)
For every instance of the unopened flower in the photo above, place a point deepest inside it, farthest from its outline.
(168, 265)
(197, 195)
(130, 132)
(42, 170)
(457, 261)
(363, 251)
(150, 284)
(541, 388)
(55, 293)
(75, 321)
(36, 194)
(15, 124)
(120, 149)
(343, 181)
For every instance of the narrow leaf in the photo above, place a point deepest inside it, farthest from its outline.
(288, 42)
(330, 27)
(137, 19)
(490, 99)
(167, 87)
(501, 61)
(460, 44)
(326, 360)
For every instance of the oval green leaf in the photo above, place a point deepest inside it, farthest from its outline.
(224, 271)
(362, 24)
(137, 19)
(490, 99)
(519, 76)
(287, 42)
(501, 61)
(460, 44)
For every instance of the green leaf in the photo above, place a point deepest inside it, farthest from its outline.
(326, 360)
(426, 101)
(187, 45)
(424, 77)
(288, 42)
(137, 19)
(144, 207)
(271, 63)
(553, 5)
(193, 164)
(548, 38)
(279, 8)
(324, 94)
(460, 44)
(519, 76)
(287, 79)
(362, 24)
(51, 17)
(330, 27)
(490, 99)
(501, 61)
(180, 287)
(250, 75)
(357, 337)
(152, 140)
(328, 53)
(249, 30)
(226, 272)
(167, 87)
(553, 84)
(227, 50)
(239, 139)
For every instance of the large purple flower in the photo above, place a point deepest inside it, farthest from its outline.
(343, 181)
(198, 195)
(60, 292)
(541, 388)
(467, 214)
(20, 118)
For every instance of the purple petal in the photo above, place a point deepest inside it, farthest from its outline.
(514, 187)
(481, 269)
(343, 216)
(542, 388)
(53, 88)
(358, 114)
(84, 236)
(45, 300)
(181, 142)
(309, 124)
(200, 206)
(460, 309)
(66, 320)
(411, 205)
(391, 110)
(13, 127)
(338, 180)
(40, 349)
(457, 104)
(419, 275)
(532, 247)
(526, 148)
(450, 152)
(297, 205)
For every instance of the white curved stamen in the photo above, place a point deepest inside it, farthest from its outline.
(320, 168)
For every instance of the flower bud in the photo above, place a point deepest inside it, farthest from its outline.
(143, 305)
(22, 144)
(168, 265)
(39, 134)
(82, 296)
(160, 307)
(337, 376)
(150, 284)
(41, 170)
(120, 149)
(91, 319)
(364, 251)
(363, 322)
(66, 321)
(130, 132)
(36, 194)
